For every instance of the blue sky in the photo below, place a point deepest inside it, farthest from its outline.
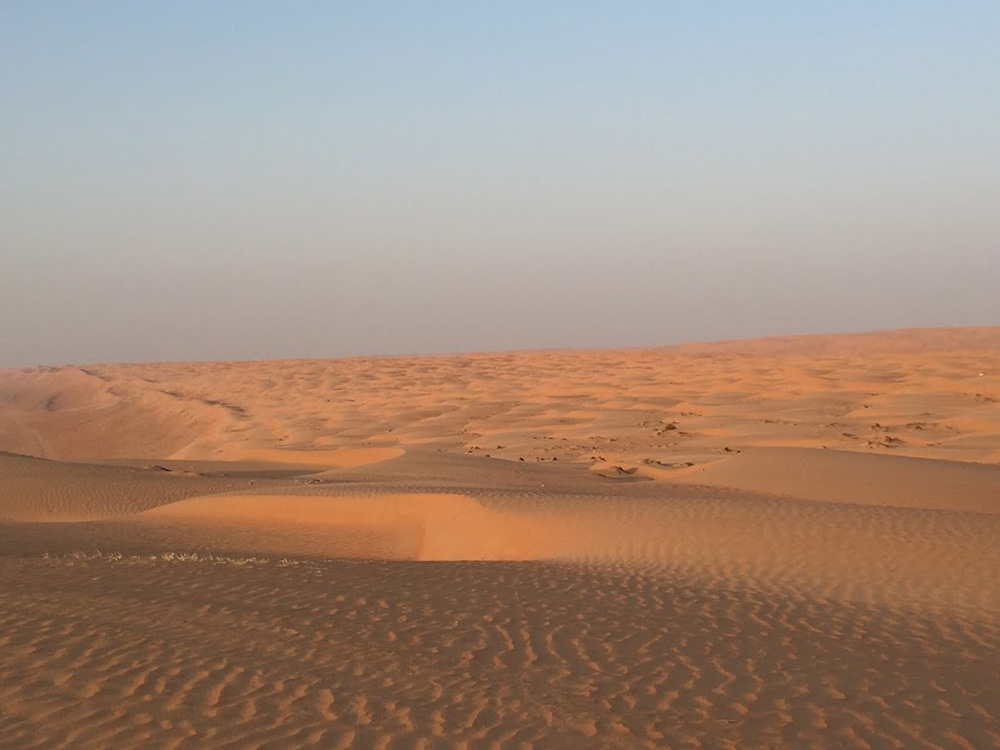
(242, 180)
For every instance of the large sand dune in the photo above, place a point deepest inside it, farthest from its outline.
(773, 543)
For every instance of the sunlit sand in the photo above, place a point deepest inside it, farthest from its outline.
(772, 543)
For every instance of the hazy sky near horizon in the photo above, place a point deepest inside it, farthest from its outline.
(191, 180)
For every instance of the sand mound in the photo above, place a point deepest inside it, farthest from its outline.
(396, 526)
(39, 490)
(76, 413)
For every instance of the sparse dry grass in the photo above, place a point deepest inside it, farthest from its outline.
(173, 557)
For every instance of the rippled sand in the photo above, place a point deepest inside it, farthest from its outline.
(780, 543)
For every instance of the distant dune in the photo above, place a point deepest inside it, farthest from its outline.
(786, 542)
(900, 341)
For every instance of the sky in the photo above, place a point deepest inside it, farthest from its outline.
(244, 180)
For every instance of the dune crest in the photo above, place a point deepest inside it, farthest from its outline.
(422, 526)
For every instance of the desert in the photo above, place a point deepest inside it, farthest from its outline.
(499, 376)
(769, 543)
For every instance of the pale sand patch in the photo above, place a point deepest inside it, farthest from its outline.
(846, 477)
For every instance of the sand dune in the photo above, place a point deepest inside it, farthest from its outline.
(848, 477)
(930, 401)
(424, 526)
(905, 341)
(40, 490)
(763, 544)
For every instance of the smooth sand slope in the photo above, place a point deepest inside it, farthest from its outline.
(775, 543)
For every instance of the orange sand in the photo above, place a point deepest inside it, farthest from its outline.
(773, 543)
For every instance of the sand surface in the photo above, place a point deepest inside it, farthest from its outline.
(780, 543)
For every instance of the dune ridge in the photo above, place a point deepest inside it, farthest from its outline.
(663, 405)
(423, 526)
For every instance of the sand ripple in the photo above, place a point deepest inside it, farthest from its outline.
(784, 544)
(100, 653)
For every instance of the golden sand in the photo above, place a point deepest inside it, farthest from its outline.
(765, 544)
